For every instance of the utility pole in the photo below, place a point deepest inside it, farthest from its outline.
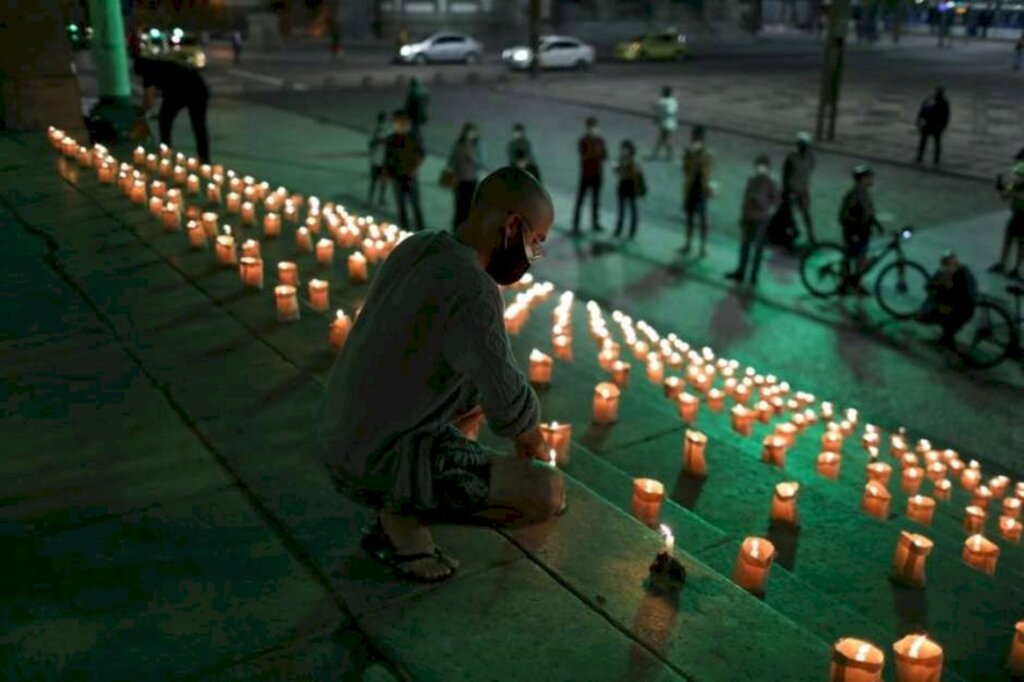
(534, 21)
(832, 70)
(110, 54)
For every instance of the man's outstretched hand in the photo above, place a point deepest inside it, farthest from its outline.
(530, 445)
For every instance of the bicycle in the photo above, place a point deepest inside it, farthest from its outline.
(901, 287)
(993, 332)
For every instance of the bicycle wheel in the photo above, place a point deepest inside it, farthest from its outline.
(902, 289)
(989, 337)
(821, 269)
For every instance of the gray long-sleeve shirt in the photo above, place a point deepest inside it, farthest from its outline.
(429, 344)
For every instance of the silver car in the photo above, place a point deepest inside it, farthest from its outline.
(556, 52)
(446, 46)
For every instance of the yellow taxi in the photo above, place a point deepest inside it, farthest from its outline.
(653, 46)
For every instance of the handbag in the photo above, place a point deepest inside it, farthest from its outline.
(447, 179)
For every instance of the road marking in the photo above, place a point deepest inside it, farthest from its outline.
(262, 78)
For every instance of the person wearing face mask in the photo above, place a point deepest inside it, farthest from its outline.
(403, 156)
(760, 199)
(464, 163)
(696, 189)
(426, 359)
(519, 147)
(952, 293)
(593, 153)
(858, 220)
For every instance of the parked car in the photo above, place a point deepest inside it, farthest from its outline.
(446, 46)
(176, 45)
(555, 52)
(656, 45)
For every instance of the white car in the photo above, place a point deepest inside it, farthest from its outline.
(555, 52)
(446, 46)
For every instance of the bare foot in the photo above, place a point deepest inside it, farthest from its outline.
(409, 536)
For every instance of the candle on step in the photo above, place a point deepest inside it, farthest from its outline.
(935, 471)
(1011, 507)
(1010, 529)
(783, 507)
(764, 411)
(918, 659)
(832, 441)
(673, 386)
(171, 217)
(620, 373)
(753, 564)
(357, 268)
(271, 225)
(325, 252)
(911, 480)
(287, 303)
(156, 206)
(829, 464)
(152, 162)
(694, 446)
(558, 437)
(192, 184)
(288, 273)
(655, 369)
(970, 479)
(909, 560)
(248, 213)
(139, 156)
(879, 472)
(209, 222)
(981, 553)
(233, 202)
(319, 295)
(196, 235)
(137, 193)
(562, 347)
(773, 450)
(716, 400)
(1015, 660)
(974, 519)
(179, 175)
(339, 329)
(668, 541)
(998, 485)
(943, 490)
(742, 420)
(250, 269)
(688, 405)
(787, 431)
(606, 403)
(540, 366)
(982, 496)
(827, 410)
(607, 357)
(920, 509)
(213, 193)
(225, 249)
(854, 660)
(303, 241)
(647, 497)
(876, 501)
(251, 248)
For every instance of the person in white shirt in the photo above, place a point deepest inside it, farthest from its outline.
(667, 111)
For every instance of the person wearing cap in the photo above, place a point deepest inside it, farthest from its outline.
(760, 200)
(593, 154)
(1014, 234)
(696, 188)
(952, 293)
(796, 182)
(932, 120)
(857, 218)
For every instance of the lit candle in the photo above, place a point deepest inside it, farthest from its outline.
(974, 519)
(608, 355)
(250, 269)
(909, 560)
(827, 410)
(918, 659)
(248, 213)
(192, 184)
(287, 303)
(1011, 507)
(325, 252)
(870, 439)
(1010, 529)
(303, 240)
(558, 437)
(943, 490)
(876, 501)
(783, 507)
(152, 162)
(213, 193)
(879, 472)
(908, 460)
(998, 485)
(854, 660)
(137, 193)
(196, 235)
(936, 471)
(138, 156)
(829, 464)
(225, 249)
(209, 222)
(982, 496)
(620, 372)
(171, 217)
(288, 273)
(673, 386)
(606, 403)
(911, 480)
(764, 411)
(694, 446)
(716, 400)
(156, 206)
(897, 445)
(1015, 661)
(688, 405)
(339, 328)
(753, 564)
(271, 225)
(773, 450)
(180, 175)
(832, 441)
(655, 370)
(319, 294)
(357, 268)
(920, 509)
(787, 431)
(981, 553)
(251, 248)
(647, 497)
(970, 479)
(742, 420)
(562, 347)
(668, 541)
(233, 202)
(540, 366)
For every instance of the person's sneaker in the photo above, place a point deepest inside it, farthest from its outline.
(735, 275)
(996, 267)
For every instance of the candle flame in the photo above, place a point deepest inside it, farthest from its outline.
(915, 648)
(536, 355)
(755, 547)
(554, 425)
(227, 230)
(862, 652)
(340, 314)
(976, 541)
(553, 457)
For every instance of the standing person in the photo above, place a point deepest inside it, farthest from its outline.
(857, 217)
(1018, 53)
(402, 159)
(378, 151)
(593, 153)
(945, 23)
(1014, 235)
(427, 358)
(932, 120)
(519, 147)
(952, 294)
(696, 188)
(417, 101)
(666, 117)
(631, 185)
(760, 200)
(796, 182)
(236, 46)
(465, 164)
(181, 87)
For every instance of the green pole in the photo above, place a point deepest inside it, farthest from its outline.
(109, 51)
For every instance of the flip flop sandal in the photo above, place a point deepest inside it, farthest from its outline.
(398, 563)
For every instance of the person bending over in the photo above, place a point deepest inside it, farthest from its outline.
(952, 293)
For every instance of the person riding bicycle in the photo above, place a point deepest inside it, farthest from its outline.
(857, 217)
(952, 293)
